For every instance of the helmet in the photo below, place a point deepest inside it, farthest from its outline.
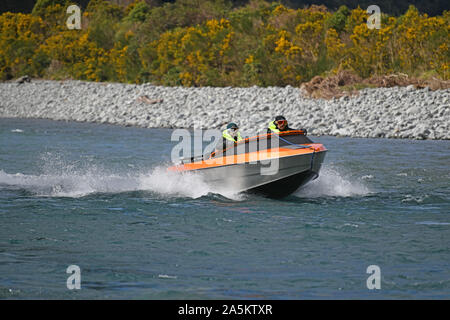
(280, 118)
(232, 125)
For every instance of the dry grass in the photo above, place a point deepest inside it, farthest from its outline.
(346, 83)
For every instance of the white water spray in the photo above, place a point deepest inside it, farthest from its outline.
(78, 184)
(331, 183)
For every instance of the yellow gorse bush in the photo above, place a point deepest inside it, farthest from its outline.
(261, 43)
(20, 35)
(310, 37)
(191, 52)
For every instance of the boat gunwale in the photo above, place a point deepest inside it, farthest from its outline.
(206, 166)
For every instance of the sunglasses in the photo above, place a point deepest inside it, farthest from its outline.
(281, 122)
(234, 129)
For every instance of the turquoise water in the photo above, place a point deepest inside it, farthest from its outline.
(98, 196)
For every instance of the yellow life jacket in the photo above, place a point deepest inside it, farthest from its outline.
(228, 136)
(273, 127)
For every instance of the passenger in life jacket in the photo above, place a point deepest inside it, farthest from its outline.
(280, 124)
(230, 136)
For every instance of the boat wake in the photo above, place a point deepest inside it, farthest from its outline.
(332, 183)
(79, 183)
(60, 177)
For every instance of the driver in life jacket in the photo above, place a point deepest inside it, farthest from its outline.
(230, 136)
(280, 124)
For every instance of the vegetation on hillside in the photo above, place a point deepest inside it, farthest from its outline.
(212, 43)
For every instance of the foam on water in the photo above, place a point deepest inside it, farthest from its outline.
(67, 185)
(62, 179)
(78, 184)
(434, 223)
(331, 183)
(59, 177)
(174, 184)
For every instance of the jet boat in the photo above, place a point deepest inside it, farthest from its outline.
(274, 165)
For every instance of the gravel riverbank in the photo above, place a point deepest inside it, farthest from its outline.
(399, 112)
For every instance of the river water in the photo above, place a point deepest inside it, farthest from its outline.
(99, 197)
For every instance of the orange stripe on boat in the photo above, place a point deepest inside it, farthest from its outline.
(249, 157)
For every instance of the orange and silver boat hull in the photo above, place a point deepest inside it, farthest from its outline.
(275, 172)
